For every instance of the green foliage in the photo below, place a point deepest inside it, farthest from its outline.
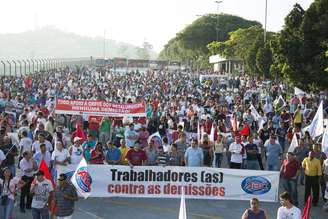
(264, 60)
(302, 43)
(248, 45)
(191, 43)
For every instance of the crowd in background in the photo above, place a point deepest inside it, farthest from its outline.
(224, 122)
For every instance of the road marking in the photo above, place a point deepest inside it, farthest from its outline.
(90, 213)
(170, 210)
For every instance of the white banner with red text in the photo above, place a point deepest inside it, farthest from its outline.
(100, 108)
(167, 182)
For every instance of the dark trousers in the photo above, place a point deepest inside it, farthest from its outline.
(259, 158)
(312, 184)
(26, 193)
(323, 187)
(235, 165)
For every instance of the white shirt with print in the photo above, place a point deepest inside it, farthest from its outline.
(291, 213)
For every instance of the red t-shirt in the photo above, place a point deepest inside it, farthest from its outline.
(136, 157)
(290, 168)
(96, 159)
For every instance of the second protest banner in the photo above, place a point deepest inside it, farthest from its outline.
(100, 108)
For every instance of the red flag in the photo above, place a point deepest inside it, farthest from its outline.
(234, 124)
(27, 82)
(307, 208)
(79, 133)
(43, 166)
(246, 130)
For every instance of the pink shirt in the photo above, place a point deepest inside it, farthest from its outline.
(143, 136)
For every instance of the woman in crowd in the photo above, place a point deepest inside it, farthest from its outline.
(97, 154)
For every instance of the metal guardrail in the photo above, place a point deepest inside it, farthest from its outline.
(22, 67)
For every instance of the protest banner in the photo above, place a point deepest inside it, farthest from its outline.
(99, 108)
(169, 181)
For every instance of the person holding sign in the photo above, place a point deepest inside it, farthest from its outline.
(136, 156)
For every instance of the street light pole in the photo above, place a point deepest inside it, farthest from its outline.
(265, 20)
(104, 46)
(9, 68)
(32, 66)
(20, 67)
(15, 67)
(217, 20)
(24, 67)
(29, 66)
(4, 68)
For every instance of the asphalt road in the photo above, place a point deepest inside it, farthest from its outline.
(128, 208)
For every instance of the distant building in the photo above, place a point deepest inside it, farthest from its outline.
(223, 65)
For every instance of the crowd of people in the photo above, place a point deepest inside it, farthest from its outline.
(243, 123)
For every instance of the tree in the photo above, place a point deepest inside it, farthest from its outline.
(248, 45)
(303, 43)
(191, 42)
(264, 61)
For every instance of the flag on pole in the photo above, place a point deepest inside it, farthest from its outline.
(43, 166)
(254, 113)
(279, 104)
(79, 133)
(183, 211)
(199, 134)
(202, 131)
(293, 144)
(324, 143)
(211, 136)
(246, 130)
(82, 180)
(307, 208)
(316, 127)
(298, 92)
(234, 123)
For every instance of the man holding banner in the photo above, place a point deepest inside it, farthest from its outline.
(64, 196)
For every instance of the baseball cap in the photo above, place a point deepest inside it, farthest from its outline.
(77, 139)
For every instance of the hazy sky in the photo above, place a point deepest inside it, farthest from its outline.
(132, 21)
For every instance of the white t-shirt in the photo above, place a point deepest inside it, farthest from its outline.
(25, 165)
(292, 213)
(77, 154)
(36, 146)
(235, 149)
(25, 144)
(229, 99)
(41, 194)
(60, 156)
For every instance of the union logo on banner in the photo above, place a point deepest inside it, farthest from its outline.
(83, 179)
(256, 185)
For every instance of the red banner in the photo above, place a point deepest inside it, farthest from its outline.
(100, 108)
